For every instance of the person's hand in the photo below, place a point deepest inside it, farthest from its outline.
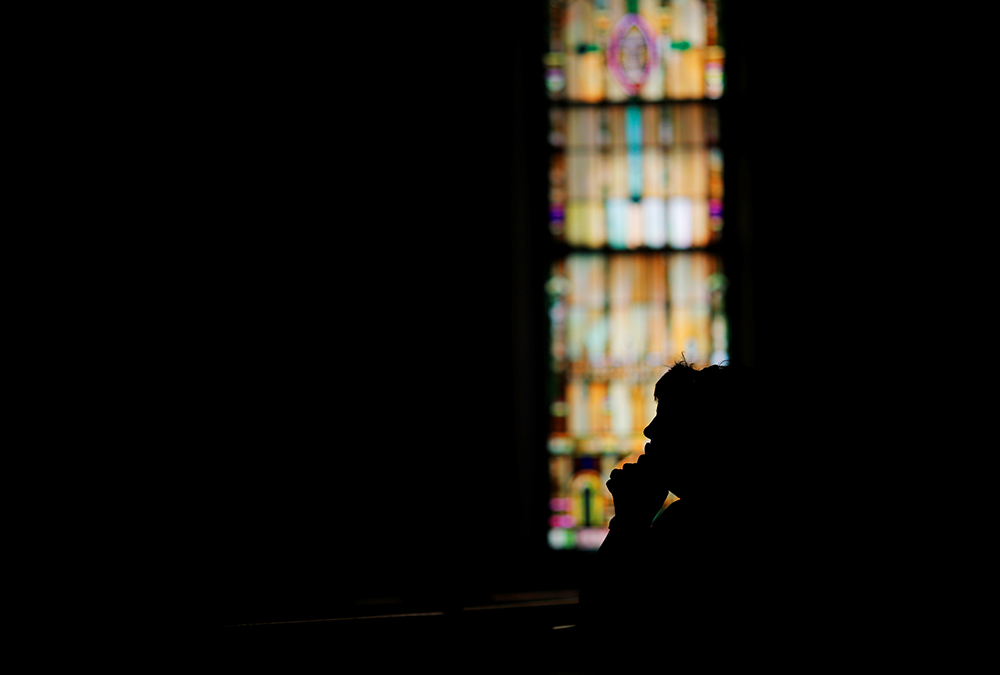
(638, 490)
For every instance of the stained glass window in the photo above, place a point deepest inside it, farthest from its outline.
(636, 204)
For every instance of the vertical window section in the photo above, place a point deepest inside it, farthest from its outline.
(636, 207)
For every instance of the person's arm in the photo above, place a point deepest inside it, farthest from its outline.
(615, 588)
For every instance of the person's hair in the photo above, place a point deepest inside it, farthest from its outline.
(681, 378)
(717, 385)
(719, 402)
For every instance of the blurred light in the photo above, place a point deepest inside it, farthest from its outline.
(561, 445)
(590, 538)
(562, 520)
(560, 538)
(632, 52)
(680, 217)
(554, 59)
(554, 80)
(714, 84)
(713, 80)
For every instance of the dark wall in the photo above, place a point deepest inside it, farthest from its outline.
(349, 328)
(350, 341)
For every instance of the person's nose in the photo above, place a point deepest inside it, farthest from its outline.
(649, 429)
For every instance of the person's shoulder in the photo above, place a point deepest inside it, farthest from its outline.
(669, 513)
(672, 523)
(697, 525)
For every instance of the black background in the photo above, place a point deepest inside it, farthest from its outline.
(340, 368)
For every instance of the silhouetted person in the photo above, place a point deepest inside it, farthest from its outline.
(692, 583)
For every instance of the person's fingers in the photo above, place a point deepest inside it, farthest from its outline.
(611, 478)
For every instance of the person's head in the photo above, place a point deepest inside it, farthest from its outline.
(701, 433)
